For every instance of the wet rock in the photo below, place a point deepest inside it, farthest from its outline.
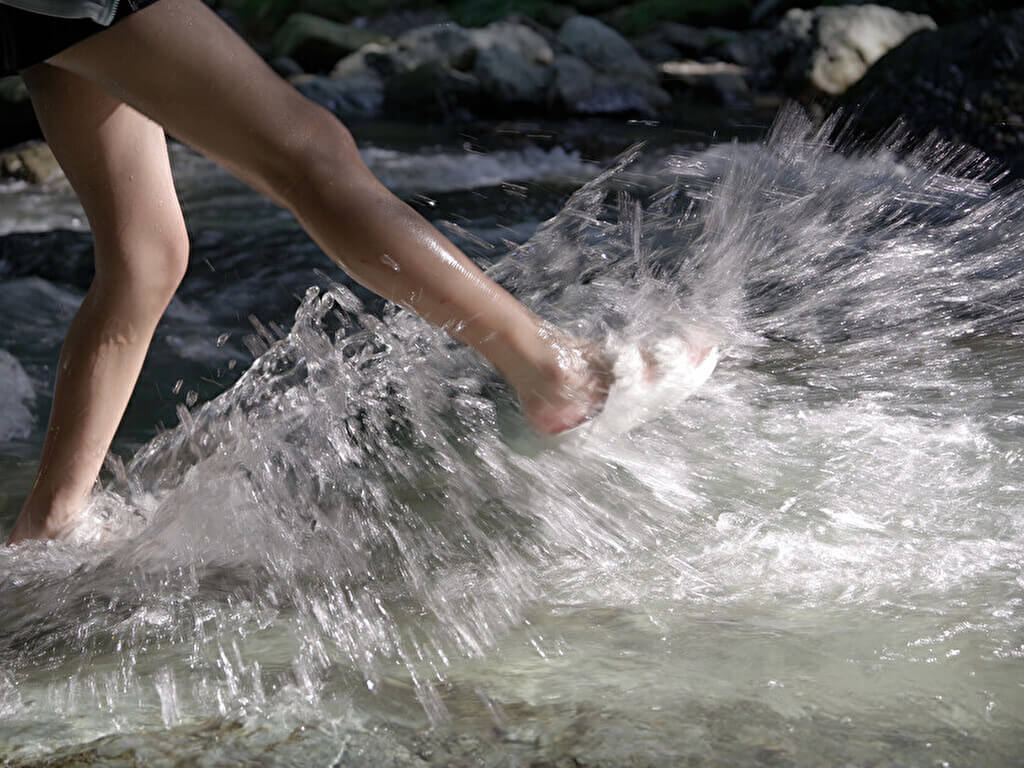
(13, 90)
(670, 41)
(32, 162)
(578, 89)
(718, 81)
(448, 44)
(17, 120)
(432, 90)
(513, 64)
(505, 69)
(317, 43)
(357, 95)
(17, 395)
(964, 82)
(830, 48)
(602, 48)
(602, 74)
(574, 80)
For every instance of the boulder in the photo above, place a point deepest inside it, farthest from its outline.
(603, 49)
(434, 90)
(509, 79)
(317, 43)
(18, 395)
(600, 73)
(513, 64)
(358, 95)
(574, 80)
(964, 82)
(830, 48)
(579, 89)
(382, 60)
(449, 44)
(690, 42)
(32, 162)
(445, 69)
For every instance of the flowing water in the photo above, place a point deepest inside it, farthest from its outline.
(357, 554)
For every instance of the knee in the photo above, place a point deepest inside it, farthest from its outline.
(149, 265)
(318, 152)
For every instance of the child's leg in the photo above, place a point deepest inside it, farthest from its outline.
(116, 160)
(176, 62)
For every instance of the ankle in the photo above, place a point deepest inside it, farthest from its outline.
(46, 519)
(568, 388)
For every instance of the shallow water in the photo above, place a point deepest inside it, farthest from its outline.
(358, 555)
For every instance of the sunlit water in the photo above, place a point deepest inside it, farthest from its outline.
(359, 555)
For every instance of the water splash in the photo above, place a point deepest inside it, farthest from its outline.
(365, 510)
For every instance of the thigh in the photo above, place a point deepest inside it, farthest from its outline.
(115, 158)
(178, 63)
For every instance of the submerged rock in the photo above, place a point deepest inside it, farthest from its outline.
(964, 82)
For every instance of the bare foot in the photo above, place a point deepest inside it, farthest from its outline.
(568, 392)
(34, 525)
(575, 388)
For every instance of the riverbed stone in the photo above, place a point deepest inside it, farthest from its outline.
(832, 47)
(317, 43)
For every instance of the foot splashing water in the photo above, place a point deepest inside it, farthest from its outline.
(360, 554)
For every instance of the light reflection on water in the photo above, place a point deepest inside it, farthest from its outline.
(818, 559)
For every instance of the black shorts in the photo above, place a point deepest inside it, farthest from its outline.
(29, 38)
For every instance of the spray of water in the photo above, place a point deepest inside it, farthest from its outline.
(365, 509)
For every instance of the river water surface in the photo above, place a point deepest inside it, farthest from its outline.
(351, 551)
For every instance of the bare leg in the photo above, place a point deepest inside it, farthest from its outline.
(116, 159)
(177, 63)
